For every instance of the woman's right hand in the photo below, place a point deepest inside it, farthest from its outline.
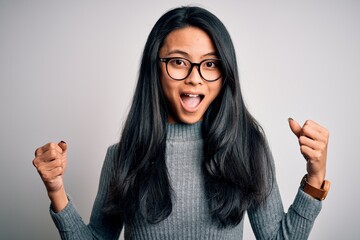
(50, 162)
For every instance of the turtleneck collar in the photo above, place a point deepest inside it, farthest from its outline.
(183, 131)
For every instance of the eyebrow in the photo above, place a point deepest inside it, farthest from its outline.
(177, 51)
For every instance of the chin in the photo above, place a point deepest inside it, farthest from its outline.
(187, 118)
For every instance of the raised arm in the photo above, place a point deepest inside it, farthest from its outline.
(51, 167)
(50, 162)
(269, 221)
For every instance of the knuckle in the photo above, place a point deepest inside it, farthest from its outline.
(302, 139)
(306, 128)
(53, 153)
(309, 122)
(304, 131)
(58, 162)
(52, 145)
(60, 170)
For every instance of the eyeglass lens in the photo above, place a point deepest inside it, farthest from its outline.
(180, 68)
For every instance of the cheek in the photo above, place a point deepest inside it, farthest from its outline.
(216, 89)
(165, 88)
(165, 83)
(169, 89)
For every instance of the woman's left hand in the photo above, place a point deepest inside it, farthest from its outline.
(313, 140)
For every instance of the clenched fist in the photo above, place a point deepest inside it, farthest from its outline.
(50, 162)
(313, 141)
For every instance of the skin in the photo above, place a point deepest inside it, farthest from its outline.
(313, 141)
(194, 44)
(50, 162)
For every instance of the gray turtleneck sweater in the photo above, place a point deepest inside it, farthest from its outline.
(190, 217)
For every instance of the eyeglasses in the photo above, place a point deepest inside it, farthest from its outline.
(180, 68)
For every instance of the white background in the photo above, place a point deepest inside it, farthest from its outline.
(68, 69)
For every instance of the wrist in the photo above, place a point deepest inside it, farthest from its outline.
(58, 199)
(314, 181)
(319, 193)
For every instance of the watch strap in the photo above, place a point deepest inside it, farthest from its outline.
(318, 193)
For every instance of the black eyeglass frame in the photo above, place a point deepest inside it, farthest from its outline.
(166, 60)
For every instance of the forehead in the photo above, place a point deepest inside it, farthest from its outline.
(191, 41)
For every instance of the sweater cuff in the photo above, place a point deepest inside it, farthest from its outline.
(66, 219)
(306, 206)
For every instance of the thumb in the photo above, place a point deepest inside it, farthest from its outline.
(295, 127)
(63, 146)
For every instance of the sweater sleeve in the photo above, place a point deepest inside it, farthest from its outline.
(70, 224)
(269, 221)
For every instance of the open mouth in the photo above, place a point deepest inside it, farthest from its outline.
(191, 101)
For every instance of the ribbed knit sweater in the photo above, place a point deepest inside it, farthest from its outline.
(190, 217)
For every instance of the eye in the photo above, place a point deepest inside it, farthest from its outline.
(211, 63)
(178, 62)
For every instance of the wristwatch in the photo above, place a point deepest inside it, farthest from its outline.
(317, 193)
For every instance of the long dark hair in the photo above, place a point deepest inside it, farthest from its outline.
(236, 168)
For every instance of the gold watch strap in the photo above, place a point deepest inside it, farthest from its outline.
(317, 193)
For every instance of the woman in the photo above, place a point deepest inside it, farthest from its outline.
(191, 159)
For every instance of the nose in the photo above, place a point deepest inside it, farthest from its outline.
(194, 78)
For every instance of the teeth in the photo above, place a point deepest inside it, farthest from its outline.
(192, 95)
